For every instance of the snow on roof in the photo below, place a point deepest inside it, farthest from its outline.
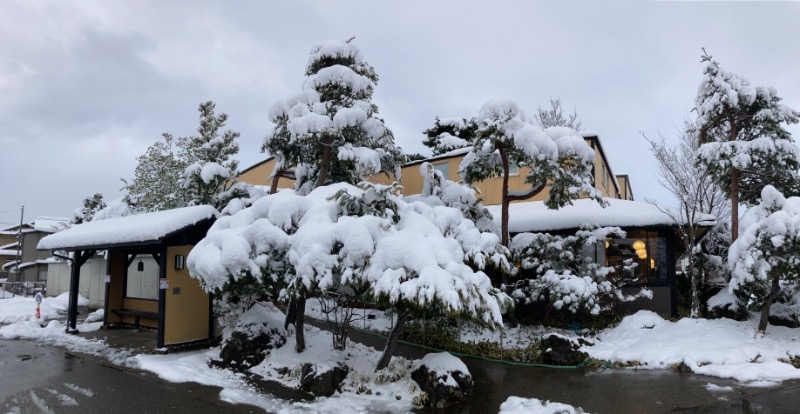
(8, 252)
(129, 229)
(9, 246)
(535, 216)
(50, 224)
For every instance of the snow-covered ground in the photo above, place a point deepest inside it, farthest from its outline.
(722, 348)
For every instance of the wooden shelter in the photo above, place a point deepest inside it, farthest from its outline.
(165, 297)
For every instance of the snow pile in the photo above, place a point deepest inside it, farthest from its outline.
(722, 348)
(517, 405)
(20, 308)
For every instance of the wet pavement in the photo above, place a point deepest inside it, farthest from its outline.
(39, 379)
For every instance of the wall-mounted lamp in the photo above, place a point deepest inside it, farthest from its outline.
(140, 266)
(180, 261)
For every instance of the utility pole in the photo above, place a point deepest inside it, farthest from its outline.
(19, 244)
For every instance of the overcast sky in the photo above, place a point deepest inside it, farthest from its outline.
(87, 86)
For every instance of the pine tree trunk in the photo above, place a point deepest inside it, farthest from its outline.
(391, 341)
(512, 315)
(773, 294)
(325, 163)
(273, 188)
(734, 204)
(300, 339)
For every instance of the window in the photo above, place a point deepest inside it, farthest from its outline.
(142, 284)
(42, 275)
(444, 168)
(638, 260)
(513, 169)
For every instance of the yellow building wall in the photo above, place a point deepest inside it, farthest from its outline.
(490, 190)
(186, 310)
(259, 174)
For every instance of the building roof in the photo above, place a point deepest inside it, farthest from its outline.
(132, 230)
(534, 216)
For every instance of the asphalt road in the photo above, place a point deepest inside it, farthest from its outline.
(39, 379)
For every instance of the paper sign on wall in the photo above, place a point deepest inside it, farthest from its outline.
(108, 278)
(163, 283)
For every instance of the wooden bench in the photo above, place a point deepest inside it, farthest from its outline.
(136, 315)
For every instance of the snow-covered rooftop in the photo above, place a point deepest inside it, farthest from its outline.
(535, 216)
(50, 224)
(129, 229)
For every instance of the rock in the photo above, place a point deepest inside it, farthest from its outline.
(559, 350)
(258, 331)
(322, 383)
(444, 378)
(789, 321)
(682, 367)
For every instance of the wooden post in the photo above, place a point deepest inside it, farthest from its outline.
(72, 307)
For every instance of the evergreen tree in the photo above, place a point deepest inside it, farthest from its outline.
(450, 133)
(208, 158)
(557, 157)
(91, 205)
(768, 250)
(746, 145)
(156, 183)
(330, 133)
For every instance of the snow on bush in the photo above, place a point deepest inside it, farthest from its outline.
(768, 247)
(559, 268)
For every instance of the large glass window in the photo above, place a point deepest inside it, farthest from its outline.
(142, 279)
(640, 259)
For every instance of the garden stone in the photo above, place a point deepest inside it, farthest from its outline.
(444, 378)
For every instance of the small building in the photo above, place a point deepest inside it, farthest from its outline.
(161, 295)
(650, 241)
(19, 258)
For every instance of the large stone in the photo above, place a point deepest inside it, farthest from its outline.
(560, 350)
(444, 378)
(789, 321)
(322, 382)
(257, 333)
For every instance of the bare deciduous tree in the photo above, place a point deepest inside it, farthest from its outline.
(697, 195)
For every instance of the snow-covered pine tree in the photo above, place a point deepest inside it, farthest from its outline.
(768, 248)
(340, 240)
(209, 166)
(448, 134)
(557, 157)
(745, 143)
(156, 183)
(331, 131)
(91, 205)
